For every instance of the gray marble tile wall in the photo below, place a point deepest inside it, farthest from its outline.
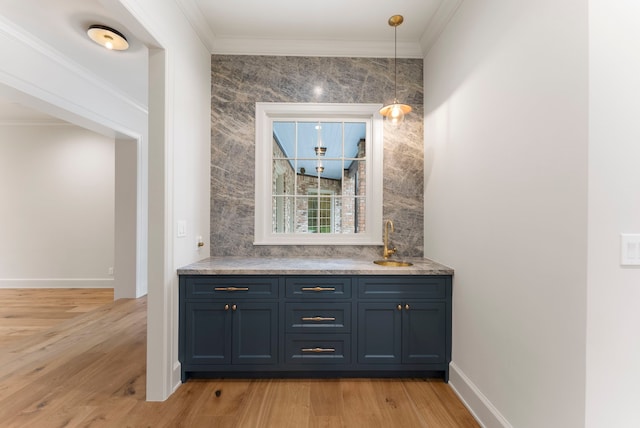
(238, 82)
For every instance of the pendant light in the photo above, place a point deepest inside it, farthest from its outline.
(395, 112)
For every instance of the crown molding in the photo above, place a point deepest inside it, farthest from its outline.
(438, 23)
(196, 19)
(332, 48)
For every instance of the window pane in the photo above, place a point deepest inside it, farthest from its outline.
(354, 137)
(283, 178)
(355, 183)
(283, 214)
(359, 214)
(284, 137)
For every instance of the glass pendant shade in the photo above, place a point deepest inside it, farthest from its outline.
(394, 113)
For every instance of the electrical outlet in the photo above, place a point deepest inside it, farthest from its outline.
(110, 271)
(630, 249)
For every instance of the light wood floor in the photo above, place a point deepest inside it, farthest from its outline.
(27, 311)
(89, 371)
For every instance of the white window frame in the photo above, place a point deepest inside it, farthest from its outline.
(266, 114)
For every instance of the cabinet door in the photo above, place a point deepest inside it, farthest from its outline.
(424, 332)
(208, 333)
(379, 333)
(255, 333)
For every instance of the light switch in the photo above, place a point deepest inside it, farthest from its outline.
(630, 249)
(182, 229)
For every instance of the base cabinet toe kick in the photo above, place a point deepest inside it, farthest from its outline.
(315, 326)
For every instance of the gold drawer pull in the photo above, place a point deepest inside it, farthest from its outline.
(318, 288)
(318, 319)
(318, 350)
(232, 288)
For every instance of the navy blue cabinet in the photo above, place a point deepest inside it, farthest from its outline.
(207, 333)
(379, 333)
(424, 338)
(237, 333)
(315, 325)
(405, 322)
(413, 332)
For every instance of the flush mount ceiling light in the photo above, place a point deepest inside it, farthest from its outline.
(108, 37)
(394, 113)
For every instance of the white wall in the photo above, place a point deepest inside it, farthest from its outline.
(506, 204)
(57, 210)
(180, 112)
(39, 76)
(613, 338)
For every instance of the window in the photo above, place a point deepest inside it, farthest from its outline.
(318, 174)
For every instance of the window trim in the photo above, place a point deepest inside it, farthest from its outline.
(266, 113)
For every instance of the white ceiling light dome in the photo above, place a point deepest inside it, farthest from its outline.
(108, 37)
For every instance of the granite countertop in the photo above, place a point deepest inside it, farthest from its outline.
(309, 266)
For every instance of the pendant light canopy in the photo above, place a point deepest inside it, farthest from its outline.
(108, 37)
(395, 112)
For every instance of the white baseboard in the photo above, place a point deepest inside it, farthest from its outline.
(57, 283)
(478, 404)
(177, 376)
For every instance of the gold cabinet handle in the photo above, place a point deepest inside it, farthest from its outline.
(231, 288)
(234, 307)
(399, 307)
(406, 306)
(318, 319)
(318, 350)
(318, 288)
(226, 307)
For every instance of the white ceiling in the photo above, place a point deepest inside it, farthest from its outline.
(250, 27)
(323, 28)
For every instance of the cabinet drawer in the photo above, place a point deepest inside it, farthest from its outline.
(322, 349)
(318, 287)
(243, 287)
(318, 317)
(401, 287)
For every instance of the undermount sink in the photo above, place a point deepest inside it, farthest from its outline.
(393, 263)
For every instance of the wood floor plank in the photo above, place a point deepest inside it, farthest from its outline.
(326, 398)
(89, 371)
(359, 394)
(25, 312)
(395, 404)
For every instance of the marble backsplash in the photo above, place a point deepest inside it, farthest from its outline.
(238, 82)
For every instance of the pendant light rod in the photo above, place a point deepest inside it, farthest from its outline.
(394, 21)
(395, 112)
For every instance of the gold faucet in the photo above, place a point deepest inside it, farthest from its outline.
(387, 251)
